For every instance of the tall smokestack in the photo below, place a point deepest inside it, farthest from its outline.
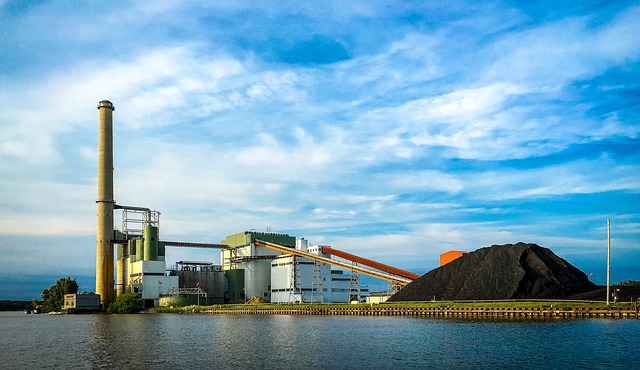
(104, 244)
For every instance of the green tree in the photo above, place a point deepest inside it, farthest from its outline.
(54, 296)
(628, 283)
(127, 303)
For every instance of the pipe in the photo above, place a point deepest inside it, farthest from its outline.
(120, 270)
(131, 208)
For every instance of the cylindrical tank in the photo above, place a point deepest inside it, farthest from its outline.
(132, 248)
(150, 243)
(139, 249)
(119, 251)
(120, 273)
(161, 251)
(125, 250)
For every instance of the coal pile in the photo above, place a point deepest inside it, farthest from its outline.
(510, 271)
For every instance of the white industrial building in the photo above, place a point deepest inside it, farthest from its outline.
(256, 271)
(298, 279)
(149, 279)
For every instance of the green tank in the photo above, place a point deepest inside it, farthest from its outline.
(161, 249)
(139, 249)
(236, 285)
(150, 243)
(132, 247)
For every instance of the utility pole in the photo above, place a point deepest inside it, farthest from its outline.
(608, 258)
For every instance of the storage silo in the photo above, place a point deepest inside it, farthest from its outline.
(150, 243)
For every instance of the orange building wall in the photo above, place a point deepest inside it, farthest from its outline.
(450, 256)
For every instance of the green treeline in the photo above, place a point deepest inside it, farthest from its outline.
(8, 305)
(628, 283)
(127, 303)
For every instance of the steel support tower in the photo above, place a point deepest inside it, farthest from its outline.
(295, 282)
(354, 286)
(316, 286)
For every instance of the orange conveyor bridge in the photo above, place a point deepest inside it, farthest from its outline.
(375, 269)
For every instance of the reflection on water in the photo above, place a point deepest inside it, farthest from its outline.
(279, 341)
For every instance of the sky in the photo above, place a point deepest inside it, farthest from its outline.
(394, 130)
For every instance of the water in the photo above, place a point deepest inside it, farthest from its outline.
(171, 341)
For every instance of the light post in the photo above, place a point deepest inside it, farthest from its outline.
(608, 259)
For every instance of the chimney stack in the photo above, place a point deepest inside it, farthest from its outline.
(105, 234)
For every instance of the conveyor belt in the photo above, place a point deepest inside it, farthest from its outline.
(370, 263)
(367, 271)
(195, 245)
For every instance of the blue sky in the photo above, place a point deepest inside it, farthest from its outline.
(392, 130)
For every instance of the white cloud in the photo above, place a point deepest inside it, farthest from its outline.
(557, 53)
(473, 123)
(428, 180)
(578, 177)
(460, 105)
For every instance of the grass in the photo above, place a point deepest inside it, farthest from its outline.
(564, 305)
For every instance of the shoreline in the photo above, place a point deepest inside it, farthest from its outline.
(534, 310)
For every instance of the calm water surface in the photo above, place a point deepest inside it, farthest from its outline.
(170, 341)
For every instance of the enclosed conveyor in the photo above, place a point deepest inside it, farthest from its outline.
(370, 263)
(400, 280)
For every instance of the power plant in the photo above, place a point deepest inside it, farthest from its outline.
(263, 266)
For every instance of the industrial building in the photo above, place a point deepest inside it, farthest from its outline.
(141, 266)
(248, 270)
(298, 279)
(273, 267)
(279, 277)
(450, 256)
(205, 276)
(81, 303)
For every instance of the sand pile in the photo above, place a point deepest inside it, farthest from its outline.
(257, 300)
(511, 271)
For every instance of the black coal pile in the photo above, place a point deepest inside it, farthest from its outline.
(510, 271)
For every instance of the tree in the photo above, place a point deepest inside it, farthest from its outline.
(628, 283)
(54, 296)
(127, 303)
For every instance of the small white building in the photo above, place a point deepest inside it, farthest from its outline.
(378, 297)
(148, 278)
(81, 302)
